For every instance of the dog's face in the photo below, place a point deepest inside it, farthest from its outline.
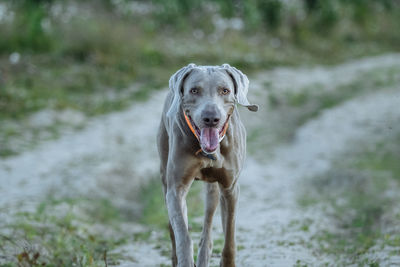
(208, 98)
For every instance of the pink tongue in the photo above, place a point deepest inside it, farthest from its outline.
(209, 139)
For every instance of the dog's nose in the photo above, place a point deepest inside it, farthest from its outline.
(211, 117)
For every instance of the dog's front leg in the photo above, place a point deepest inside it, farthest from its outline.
(229, 197)
(205, 246)
(177, 213)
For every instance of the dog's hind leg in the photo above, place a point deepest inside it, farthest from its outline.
(163, 149)
(171, 232)
(205, 246)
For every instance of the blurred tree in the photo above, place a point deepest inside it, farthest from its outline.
(251, 14)
(173, 12)
(231, 8)
(26, 32)
(271, 12)
(324, 14)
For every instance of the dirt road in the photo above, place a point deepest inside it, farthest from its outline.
(98, 159)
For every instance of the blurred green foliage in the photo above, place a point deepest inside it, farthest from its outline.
(27, 32)
(68, 54)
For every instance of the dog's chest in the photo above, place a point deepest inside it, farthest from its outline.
(214, 171)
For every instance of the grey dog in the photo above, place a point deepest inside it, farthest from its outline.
(201, 137)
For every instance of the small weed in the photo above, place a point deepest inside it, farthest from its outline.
(240, 247)
(307, 200)
(300, 263)
(305, 227)
(142, 236)
(298, 99)
(281, 243)
(218, 245)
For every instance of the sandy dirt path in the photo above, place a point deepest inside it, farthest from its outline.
(82, 161)
(122, 144)
(268, 204)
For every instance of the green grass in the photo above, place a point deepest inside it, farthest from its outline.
(218, 245)
(361, 209)
(383, 158)
(63, 232)
(154, 211)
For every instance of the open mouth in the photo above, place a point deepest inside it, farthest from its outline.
(209, 137)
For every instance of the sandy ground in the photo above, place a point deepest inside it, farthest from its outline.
(268, 203)
(122, 144)
(111, 146)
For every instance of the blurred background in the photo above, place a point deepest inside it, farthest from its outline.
(81, 89)
(85, 55)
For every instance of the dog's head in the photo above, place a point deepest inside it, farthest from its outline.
(207, 94)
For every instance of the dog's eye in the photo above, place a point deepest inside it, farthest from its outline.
(225, 91)
(194, 91)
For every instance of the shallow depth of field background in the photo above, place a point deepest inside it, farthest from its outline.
(81, 90)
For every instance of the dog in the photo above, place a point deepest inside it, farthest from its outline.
(201, 137)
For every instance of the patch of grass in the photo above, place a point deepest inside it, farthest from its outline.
(313, 100)
(359, 203)
(20, 134)
(291, 109)
(240, 247)
(300, 263)
(65, 84)
(63, 232)
(307, 200)
(154, 211)
(361, 209)
(382, 158)
(16, 138)
(218, 245)
(296, 99)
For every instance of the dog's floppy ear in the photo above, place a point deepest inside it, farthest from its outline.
(175, 85)
(241, 84)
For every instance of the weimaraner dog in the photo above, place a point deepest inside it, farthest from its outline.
(201, 137)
